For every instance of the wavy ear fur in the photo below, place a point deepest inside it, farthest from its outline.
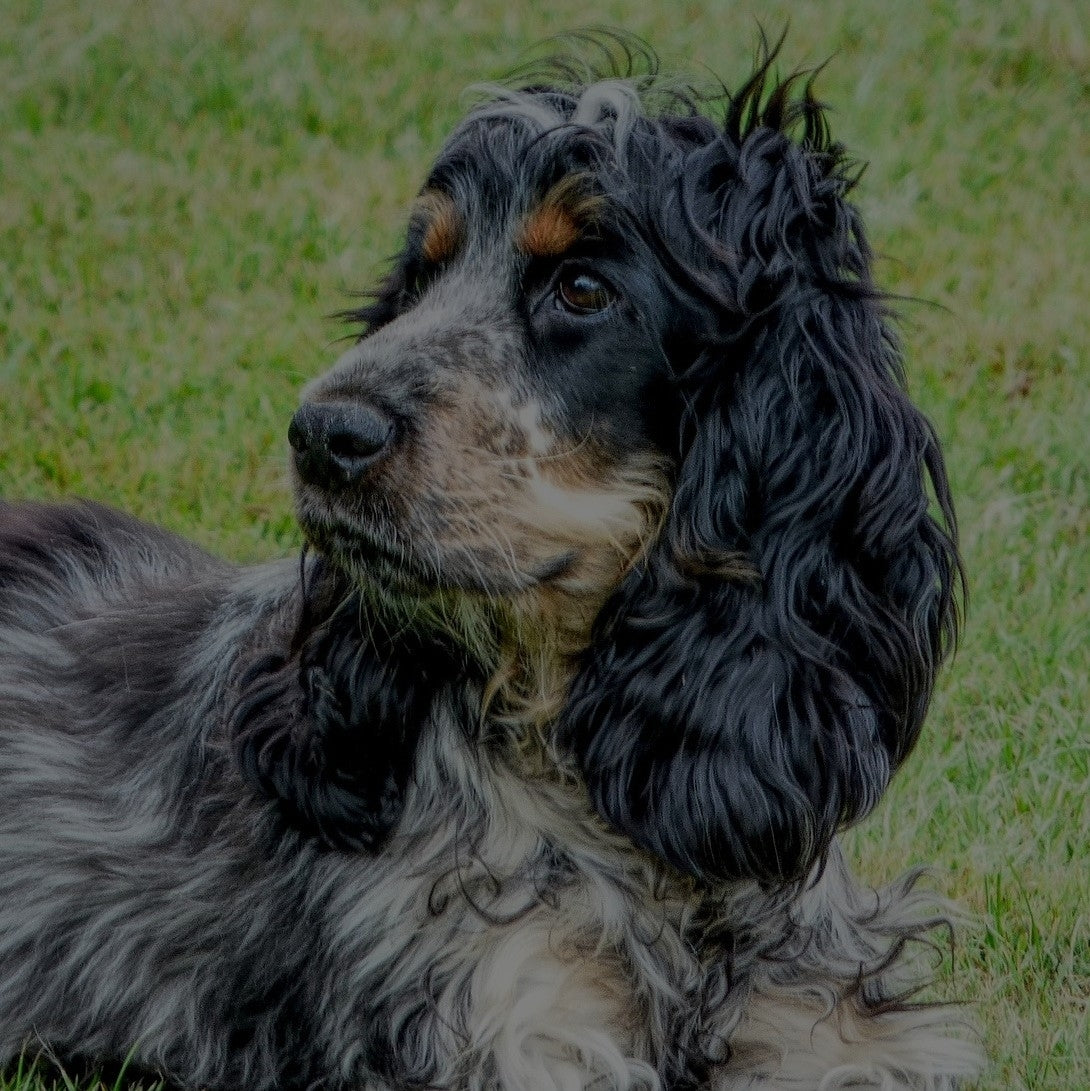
(753, 686)
(328, 724)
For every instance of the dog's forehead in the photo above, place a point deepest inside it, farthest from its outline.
(536, 219)
(537, 170)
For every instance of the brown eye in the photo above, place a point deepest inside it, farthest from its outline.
(582, 293)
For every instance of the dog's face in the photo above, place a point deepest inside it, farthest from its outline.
(505, 424)
(635, 356)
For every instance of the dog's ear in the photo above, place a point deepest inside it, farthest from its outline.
(328, 724)
(753, 685)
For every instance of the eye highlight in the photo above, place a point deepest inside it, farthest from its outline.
(580, 292)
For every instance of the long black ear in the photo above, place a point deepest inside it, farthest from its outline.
(753, 686)
(328, 723)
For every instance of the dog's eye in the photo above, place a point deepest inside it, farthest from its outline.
(579, 292)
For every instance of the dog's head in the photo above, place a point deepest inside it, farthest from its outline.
(631, 361)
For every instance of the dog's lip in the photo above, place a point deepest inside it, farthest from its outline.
(387, 560)
(334, 536)
(375, 549)
(398, 568)
(445, 574)
(394, 563)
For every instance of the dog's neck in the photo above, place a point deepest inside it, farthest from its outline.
(538, 642)
(523, 650)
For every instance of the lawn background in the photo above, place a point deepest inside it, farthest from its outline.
(187, 190)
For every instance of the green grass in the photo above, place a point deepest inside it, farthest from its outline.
(187, 190)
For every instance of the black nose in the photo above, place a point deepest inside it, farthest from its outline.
(335, 443)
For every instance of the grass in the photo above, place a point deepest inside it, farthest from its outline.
(186, 191)
(41, 1074)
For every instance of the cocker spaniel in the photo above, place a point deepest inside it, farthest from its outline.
(623, 594)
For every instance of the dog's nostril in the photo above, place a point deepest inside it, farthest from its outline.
(351, 445)
(335, 442)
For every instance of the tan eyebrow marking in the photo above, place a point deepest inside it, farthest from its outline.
(562, 218)
(441, 222)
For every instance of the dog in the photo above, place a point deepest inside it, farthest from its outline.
(630, 567)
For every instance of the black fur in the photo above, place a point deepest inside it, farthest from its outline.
(295, 724)
(731, 725)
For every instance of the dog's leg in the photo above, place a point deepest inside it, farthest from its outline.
(794, 1043)
(544, 1018)
(836, 1005)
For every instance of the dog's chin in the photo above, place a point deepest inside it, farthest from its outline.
(371, 563)
(378, 565)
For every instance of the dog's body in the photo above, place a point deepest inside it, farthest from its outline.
(530, 776)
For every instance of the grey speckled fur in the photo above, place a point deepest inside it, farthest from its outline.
(148, 898)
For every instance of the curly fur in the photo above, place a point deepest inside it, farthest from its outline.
(625, 595)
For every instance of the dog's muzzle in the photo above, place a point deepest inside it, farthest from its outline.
(337, 443)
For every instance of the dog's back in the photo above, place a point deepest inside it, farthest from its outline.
(60, 563)
(115, 639)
